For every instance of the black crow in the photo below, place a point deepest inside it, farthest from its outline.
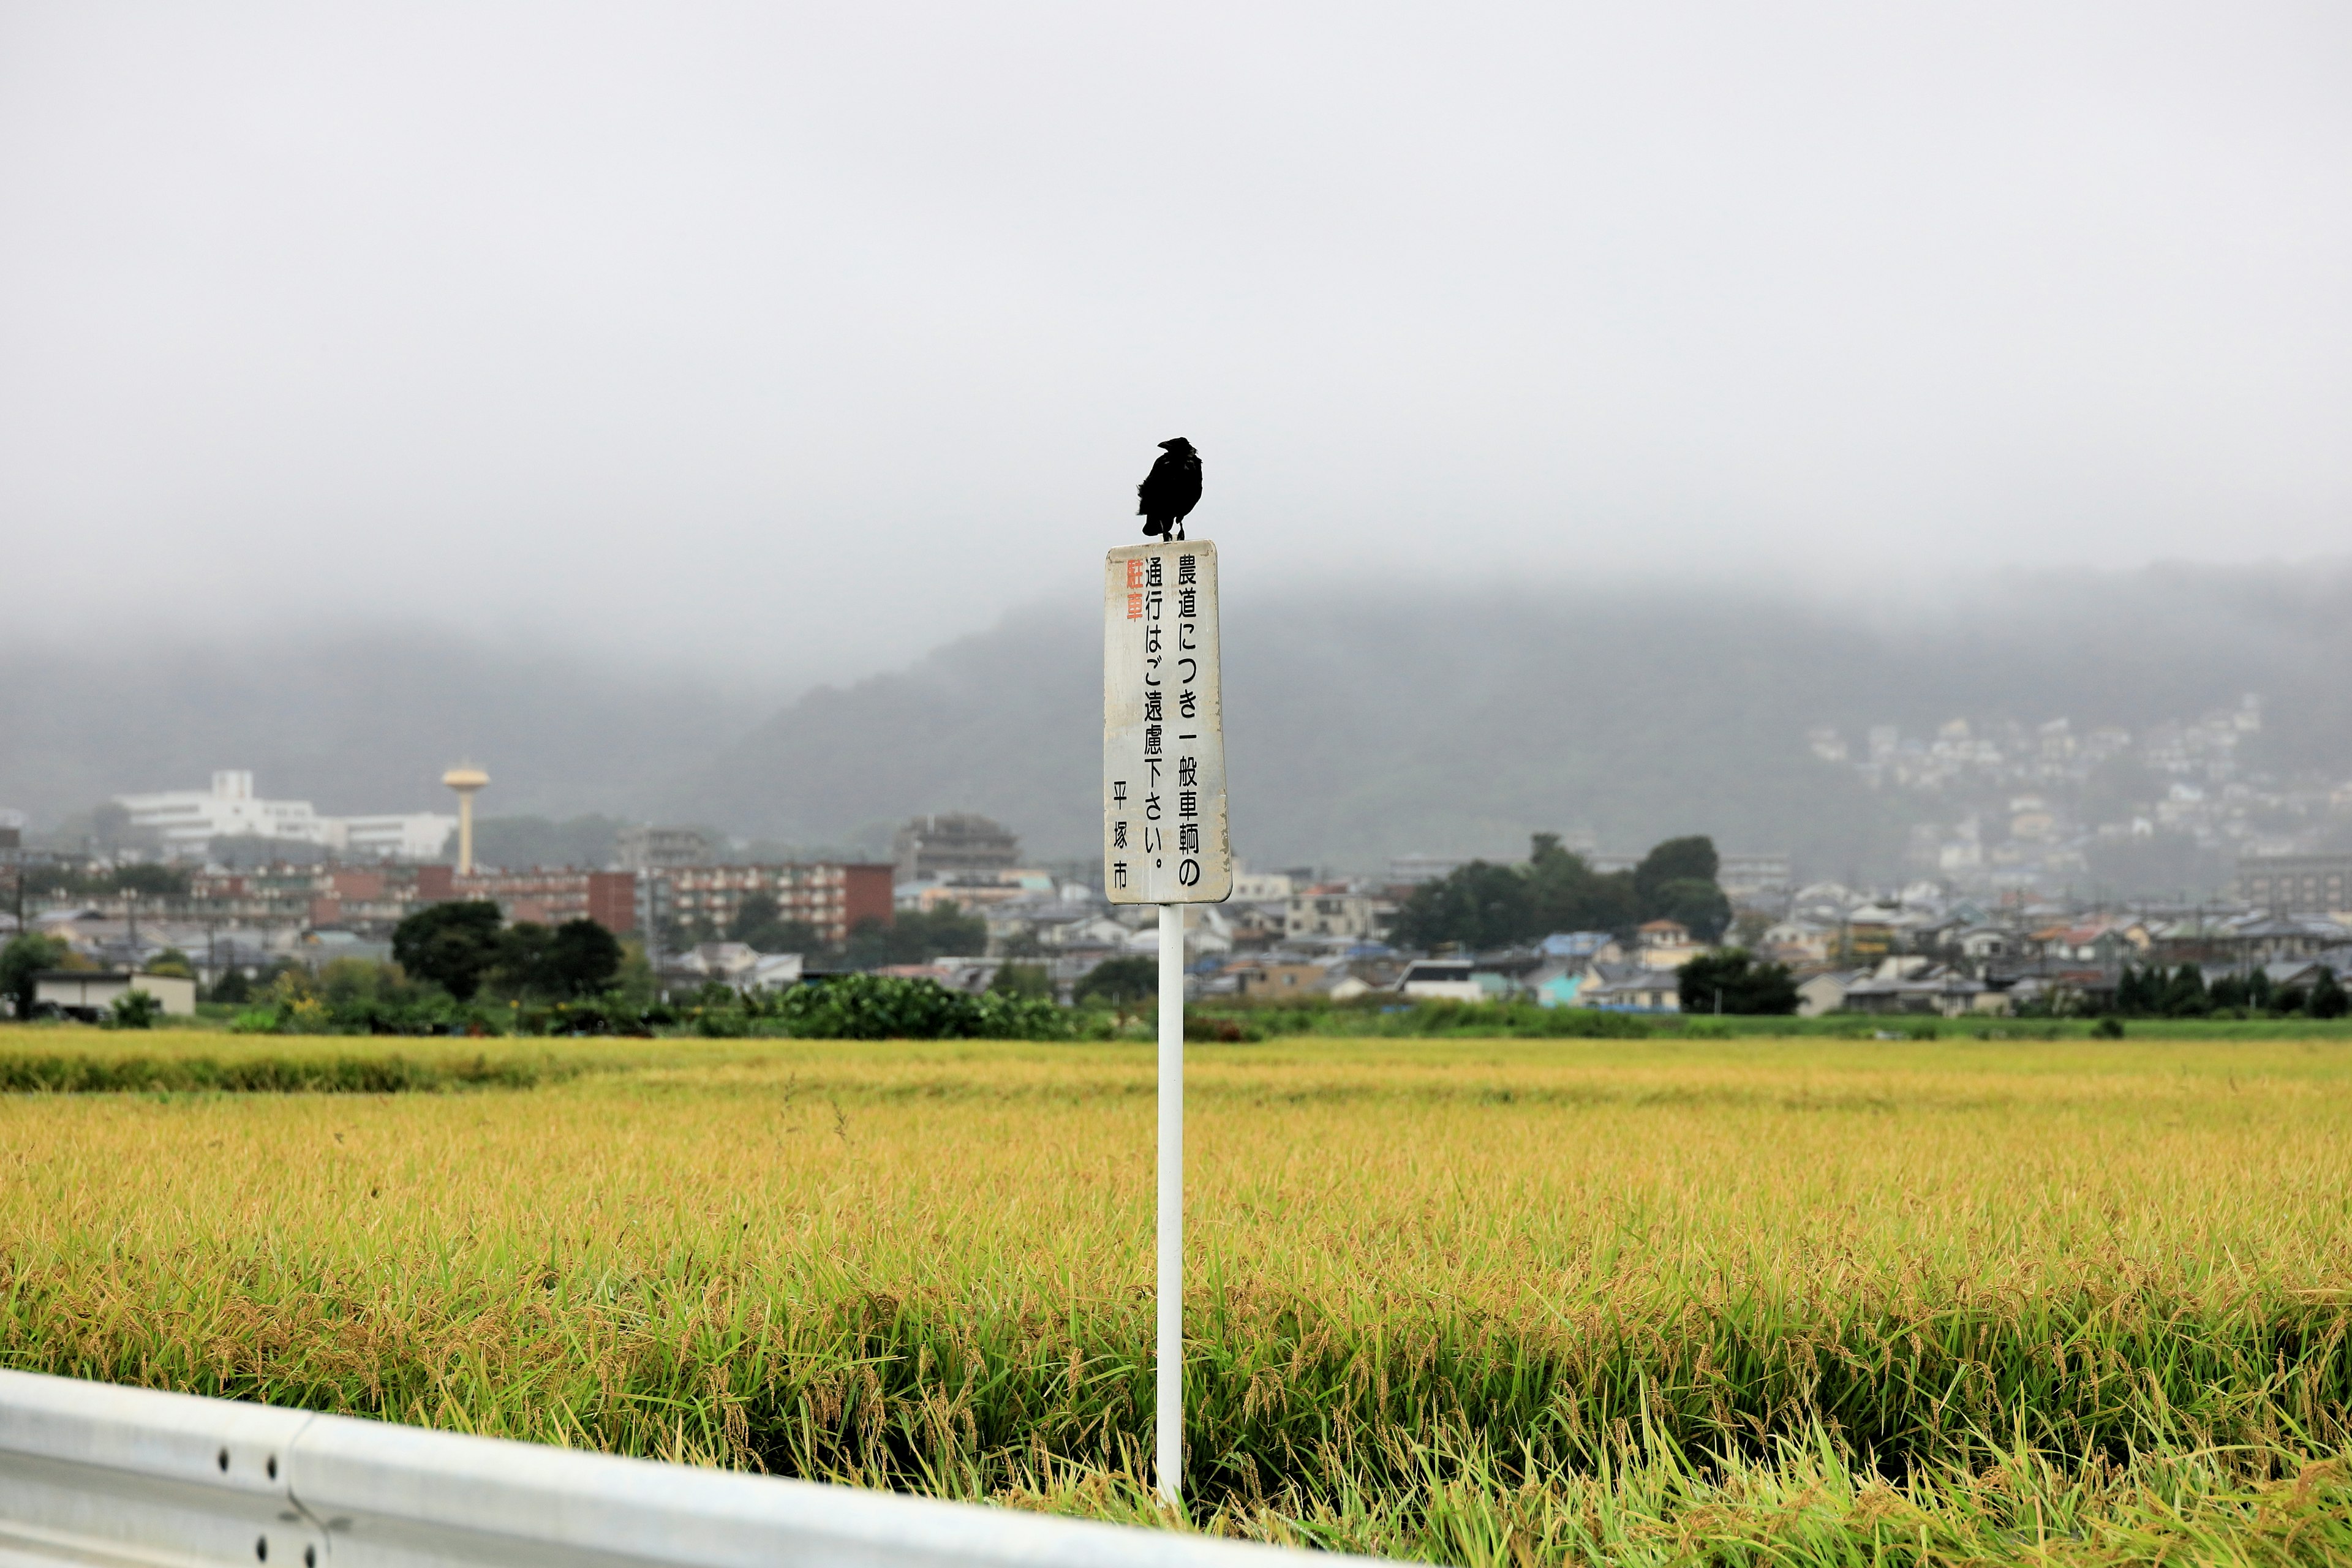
(1170, 491)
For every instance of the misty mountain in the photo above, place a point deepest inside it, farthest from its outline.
(360, 722)
(1378, 721)
(1363, 720)
(1385, 724)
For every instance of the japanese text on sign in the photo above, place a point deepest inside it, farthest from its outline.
(1164, 832)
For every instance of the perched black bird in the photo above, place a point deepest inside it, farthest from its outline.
(1170, 491)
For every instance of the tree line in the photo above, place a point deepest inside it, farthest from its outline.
(2152, 991)
(461, 946)
(1485, 905)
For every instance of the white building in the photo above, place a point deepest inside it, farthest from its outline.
(186, 820)
(1331, 909)
(88, 992)
(1442, 980)
(1414, 869)
(1265, 887)
(416, 835)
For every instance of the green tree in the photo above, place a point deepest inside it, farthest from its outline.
(2139, 991)
(582, 959)
(454, 945)
(760, 924)
(54, 881)
(1121, 982)
(1699, 905)
(678, 935)
(27, 954)
(1564, 893)
(634, 984)
(172, 961)
(916, 937)
(2184, 993)
(351, 985)
(1022, 980)
(233, 989)
(520, 969)
(151, 881)
(2327, 999)
(577, 958)
(1743, 985)
(1483, 905)
(2258, 988)
(1690, 859)
(1480, 905)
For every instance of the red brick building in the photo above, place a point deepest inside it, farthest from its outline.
(830, 896)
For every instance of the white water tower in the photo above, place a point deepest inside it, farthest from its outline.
(466, 779)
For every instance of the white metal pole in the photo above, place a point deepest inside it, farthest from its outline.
(1172, 1202)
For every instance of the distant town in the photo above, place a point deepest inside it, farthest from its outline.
(223, 887)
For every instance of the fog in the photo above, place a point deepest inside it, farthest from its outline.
(798, 340)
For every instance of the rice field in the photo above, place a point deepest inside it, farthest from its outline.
(1480, 1301)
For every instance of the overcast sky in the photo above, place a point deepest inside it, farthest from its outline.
(805, 336)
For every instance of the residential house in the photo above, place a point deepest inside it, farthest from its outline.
(1983, 944)
(1824, 990)
(1333, 910)
(729, 962)
(1666, 944)
(1557, 983)
(1260, 887)
(1279, 978)
(1586, 947)
(1206, 932)
(1442, 980)
(1915, 986)
(2266, 939)
(1086, 933)
(1631, 988)
(1796, 941)
(1871, 931)
(2107, 944)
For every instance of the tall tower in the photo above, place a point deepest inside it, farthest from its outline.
(466, 779)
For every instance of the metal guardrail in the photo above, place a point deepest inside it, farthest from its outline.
(105, 1476)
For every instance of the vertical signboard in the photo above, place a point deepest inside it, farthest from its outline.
(1164, 839)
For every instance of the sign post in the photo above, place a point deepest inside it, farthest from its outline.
(1165, 843)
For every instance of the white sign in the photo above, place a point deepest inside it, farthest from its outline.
(1164, 838)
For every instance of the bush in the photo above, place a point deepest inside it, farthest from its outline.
(1733, 982)
(135, 1010)
(2108, 1029)
(890, 1007)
